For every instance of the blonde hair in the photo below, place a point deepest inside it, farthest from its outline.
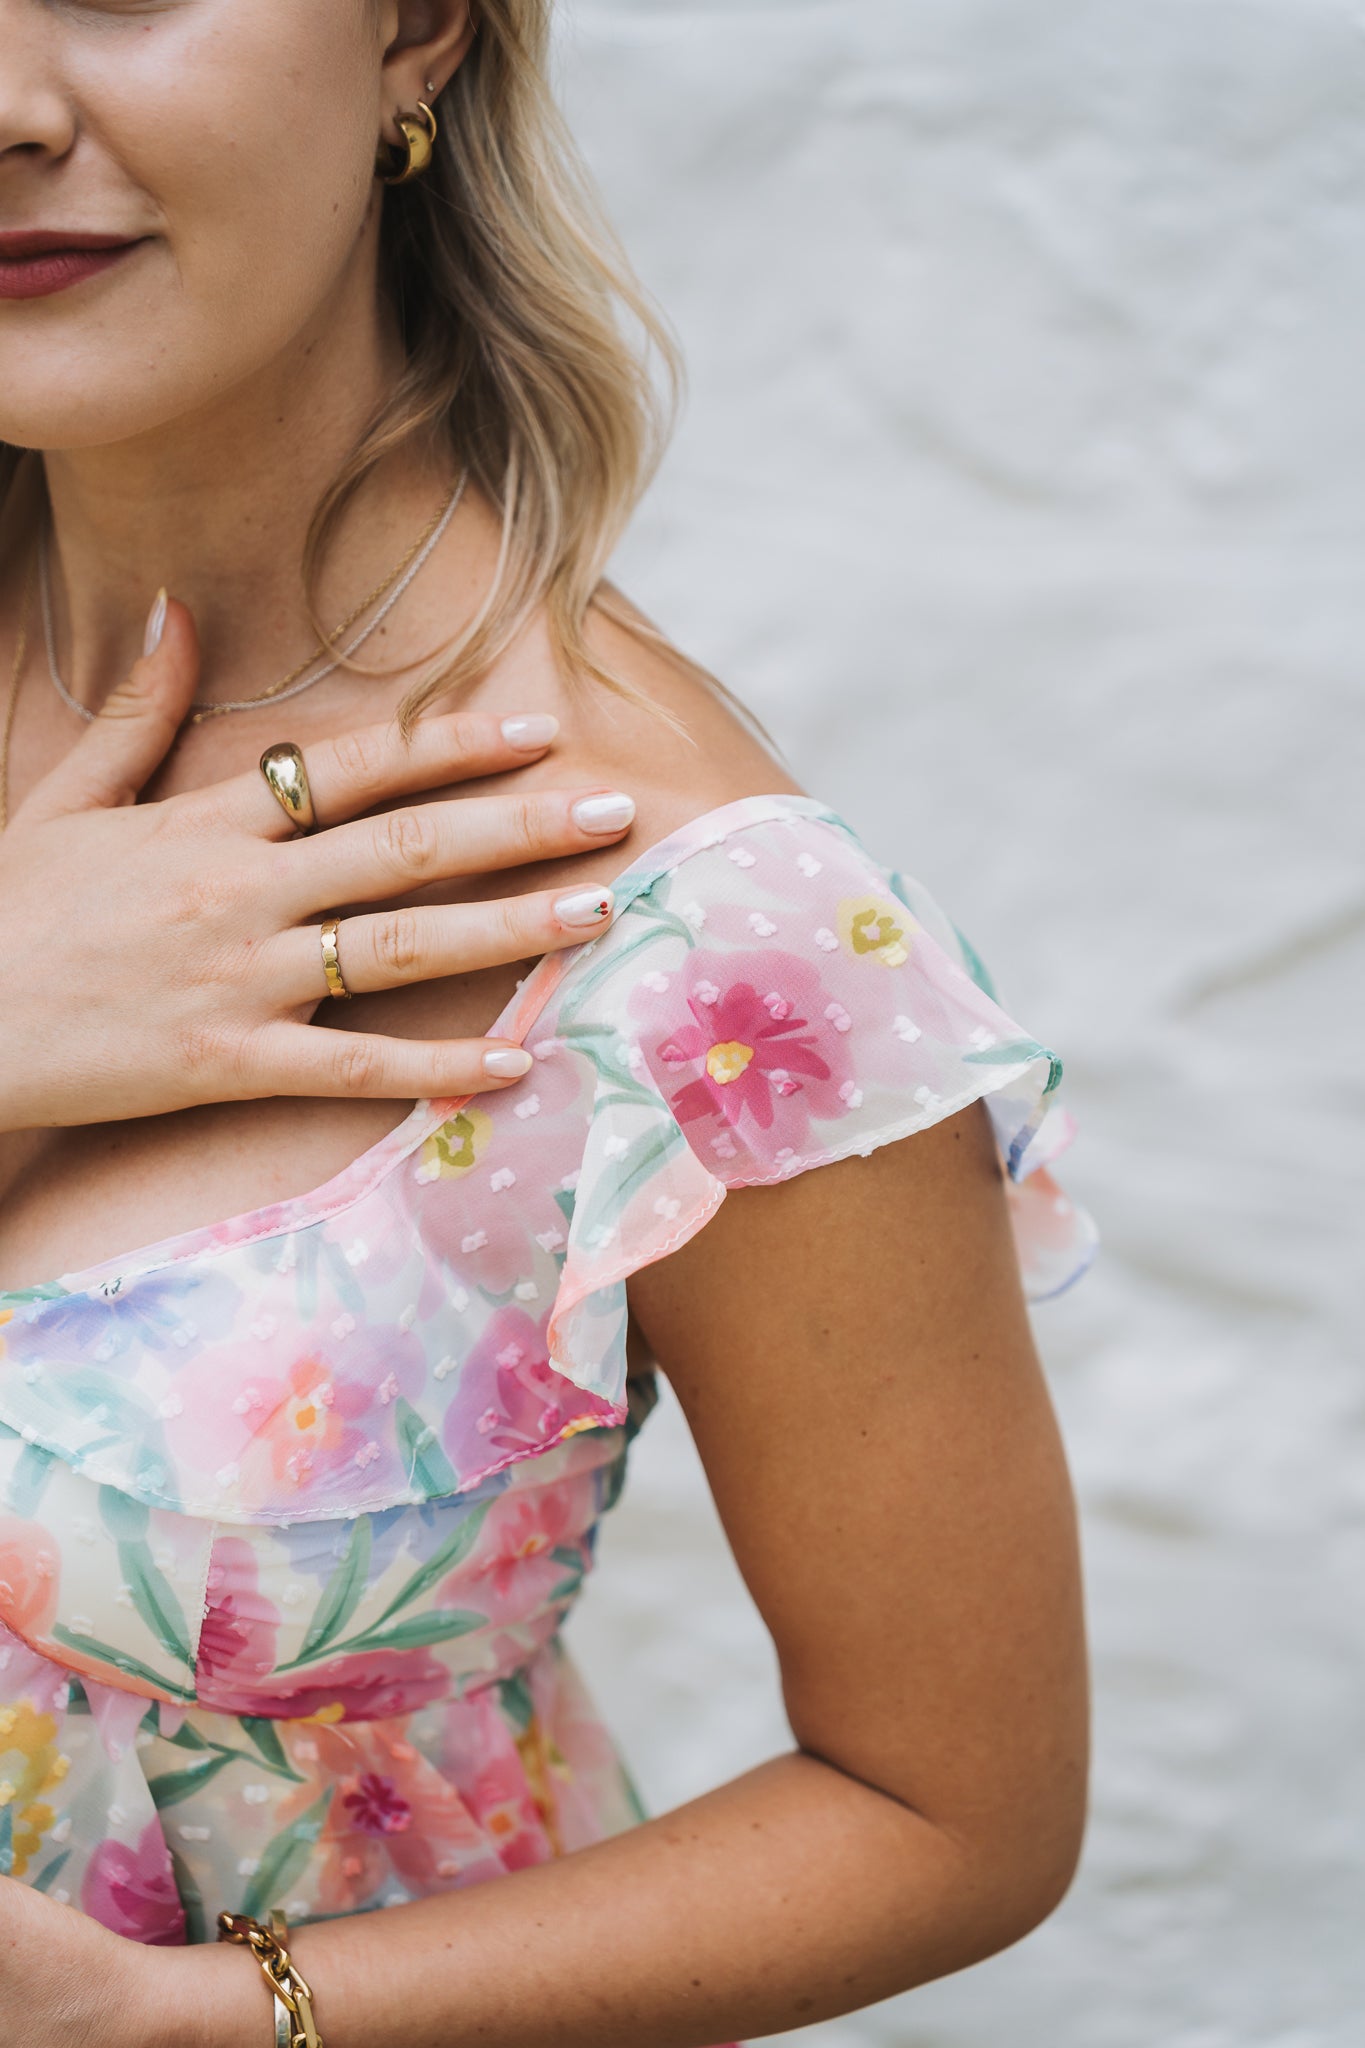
(510, 288)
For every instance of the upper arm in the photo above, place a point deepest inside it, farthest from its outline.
(852, 1352)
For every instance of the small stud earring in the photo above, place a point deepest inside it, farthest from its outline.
(431, 85)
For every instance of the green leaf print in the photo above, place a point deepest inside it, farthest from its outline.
(515, 1702)
(975, 965)
(419, 1630)
(126, 1519)
(1017, 1054)
(428, 1466)
(50, 1872)
(155, 1601)
(6, 1841)
(169, 1787)
(266, 1736)
(27, 1480)
(456, 1547)
(645, 1156)
(186, 1736)
(285, 1858)
(341, 1595)
(575, 1564)
(104, 1653)
(191, 1898)
(662, 924)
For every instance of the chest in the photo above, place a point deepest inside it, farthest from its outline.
(70, 1198)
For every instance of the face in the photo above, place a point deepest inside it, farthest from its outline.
(227, 148)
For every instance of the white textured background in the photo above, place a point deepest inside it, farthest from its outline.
(1021, 493)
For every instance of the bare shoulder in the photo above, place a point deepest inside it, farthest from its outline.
(671, 736)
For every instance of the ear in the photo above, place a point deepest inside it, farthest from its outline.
(427, 42)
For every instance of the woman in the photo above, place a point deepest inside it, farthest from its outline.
(292, 1505)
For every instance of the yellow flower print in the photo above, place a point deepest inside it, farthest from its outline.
(725, 1063)
(874, 925)
(542, 1759)
(456, 1148)
(30, 1764)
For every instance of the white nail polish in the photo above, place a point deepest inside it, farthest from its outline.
(530, 733)
(583, 907)
(507, 1063)
(156, 624)
(611, 812)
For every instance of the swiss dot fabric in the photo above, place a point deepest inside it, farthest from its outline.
(293, 1506)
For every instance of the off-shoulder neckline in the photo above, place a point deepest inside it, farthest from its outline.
(355, 1180)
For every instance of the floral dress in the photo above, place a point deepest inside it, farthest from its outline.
(293, 1507)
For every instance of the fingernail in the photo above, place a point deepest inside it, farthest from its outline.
(507, 1063)
(585, 907)
(609, 813)
(156, 622)
(531, 733)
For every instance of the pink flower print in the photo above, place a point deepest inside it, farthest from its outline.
(30, 1568)
(512, 1569)
(494, 1217)
(237, 1642)
(393, 1815)
(510, 1400)
(378, 1807)
(768, 1047)
(367, 1685)
(295, 1426)
(502, 1801)
(131, 1890)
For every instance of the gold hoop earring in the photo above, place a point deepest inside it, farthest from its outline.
(395, 165)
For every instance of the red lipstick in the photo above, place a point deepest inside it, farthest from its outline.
(35, 262)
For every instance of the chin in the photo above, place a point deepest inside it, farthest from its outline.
(96, 397)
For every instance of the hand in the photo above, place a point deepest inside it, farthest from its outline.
(161, 954)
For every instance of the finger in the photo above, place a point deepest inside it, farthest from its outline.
(130, 735)
(356, 770)
(405, 849)
(392, 949)
(302, 1060)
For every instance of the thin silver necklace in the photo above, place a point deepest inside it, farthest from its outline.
(249, 703)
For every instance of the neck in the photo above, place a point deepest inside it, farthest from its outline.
(216, 505)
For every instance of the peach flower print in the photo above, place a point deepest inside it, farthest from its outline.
(30, 1569)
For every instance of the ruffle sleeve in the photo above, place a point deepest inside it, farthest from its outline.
(776, 1002)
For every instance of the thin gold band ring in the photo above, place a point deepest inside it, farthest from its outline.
(331, 962)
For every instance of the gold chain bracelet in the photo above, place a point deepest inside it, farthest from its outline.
(294, 2023)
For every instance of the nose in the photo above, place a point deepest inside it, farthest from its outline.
(37, 116)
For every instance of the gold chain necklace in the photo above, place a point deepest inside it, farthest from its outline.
(16, 673)
(394, 584)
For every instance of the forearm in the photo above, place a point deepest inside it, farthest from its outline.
(790, 1895)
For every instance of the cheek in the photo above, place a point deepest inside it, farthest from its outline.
(241, 137)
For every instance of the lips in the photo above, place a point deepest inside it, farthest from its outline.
(35, 262)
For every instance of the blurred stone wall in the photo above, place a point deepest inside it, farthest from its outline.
(1020, 493)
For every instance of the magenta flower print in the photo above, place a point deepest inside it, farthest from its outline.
(759, 1049)
(511, 1402)
(131, 1890)
(377, 1807)
(237, 1638)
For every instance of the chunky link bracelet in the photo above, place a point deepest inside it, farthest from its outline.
(294, 2024)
